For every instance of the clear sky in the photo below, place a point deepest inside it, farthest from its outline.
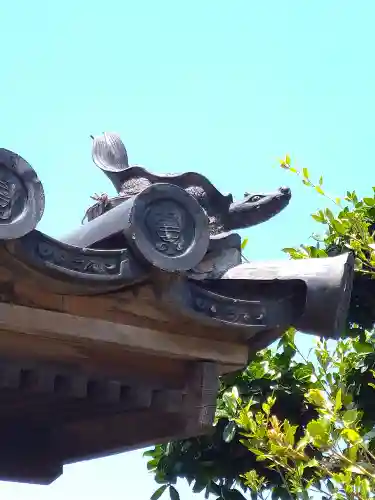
(223, 88)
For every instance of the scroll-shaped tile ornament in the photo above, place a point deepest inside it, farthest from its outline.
(109, 152)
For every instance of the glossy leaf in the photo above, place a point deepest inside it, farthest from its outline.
(173, 493)
(338, 400)
(363, 347)
(158, 493)
(351, 435)
(232, 495)
(229, 432)
(349, 417)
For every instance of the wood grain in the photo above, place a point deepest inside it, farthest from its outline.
(79, 330)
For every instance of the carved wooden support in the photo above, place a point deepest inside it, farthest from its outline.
(200, 401)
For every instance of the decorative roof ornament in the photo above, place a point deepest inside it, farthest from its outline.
(109, 153)
(132, 316)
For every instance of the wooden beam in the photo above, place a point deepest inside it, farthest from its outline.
(26, 455)
(104, 361)
(137, 306)
(87, 438)
(94, 438)
(201, 395)
(77, 330)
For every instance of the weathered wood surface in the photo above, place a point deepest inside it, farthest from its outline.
(137, 306)
(134, 319)
(164, 302)
(89, 376)
(191, 417)
(80, 331)
(53, 414)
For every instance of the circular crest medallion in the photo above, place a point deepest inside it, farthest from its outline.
(21, 196)
(169, 227)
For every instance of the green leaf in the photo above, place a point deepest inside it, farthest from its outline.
(152, 464)
(229, 494)
(352, 452)
(319, 190)
(155, 452)
(316, 397)
(256, 451)
(199, 487)
(330, 486)
(288, 249)
(351, 435)
(288, 160)
(280, 493)
(266, 408)
(244, 243)
(363, 347)
(158, 493)
(315, 428)
(302, 443)
(214, 488)
(338, 226)
(349, 417)
(294, 253)
(338, 400)
(149, 453)
(173, 493)
(305, 173)
(321, 180)
(319, 217)
(329, 214)
(229, 431)
(303, 372)
(160, 477)
(319, 431)
(289, 431)
(365, 488)
(369, 201)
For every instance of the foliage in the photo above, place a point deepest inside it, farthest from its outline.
(350, 229)
(288, 425)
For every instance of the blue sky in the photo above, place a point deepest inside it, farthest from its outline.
(223, 88)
